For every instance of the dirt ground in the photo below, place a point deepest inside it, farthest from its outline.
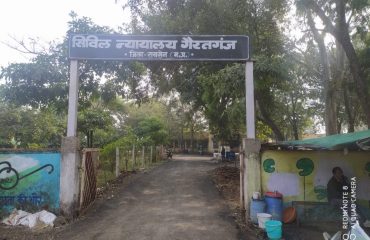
(104, 193)
(227, 180)
(186, 198)
(176, 200)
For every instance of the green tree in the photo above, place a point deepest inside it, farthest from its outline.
(258, 20)
(38, 84)
(339, 17)
(36, 129)
(152, 131)
(224, 102)
(42, 84)
(91, 119)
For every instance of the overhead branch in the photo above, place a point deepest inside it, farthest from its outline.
(350, 18)
(324, 18)
(318, 29)
(31, 47)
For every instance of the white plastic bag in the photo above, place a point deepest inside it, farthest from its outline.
(30, 220)
(15, 217)
(19, 217)
(47, 217)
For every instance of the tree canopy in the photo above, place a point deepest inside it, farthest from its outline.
(318, 78)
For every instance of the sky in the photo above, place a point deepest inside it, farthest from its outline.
(47, 21)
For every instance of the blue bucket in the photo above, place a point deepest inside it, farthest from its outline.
(257, 206)
(274, 229)
(274, 207)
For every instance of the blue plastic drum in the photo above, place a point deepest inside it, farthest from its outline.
(257, 206)
(274, 206)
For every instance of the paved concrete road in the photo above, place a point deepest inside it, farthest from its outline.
(174, 201)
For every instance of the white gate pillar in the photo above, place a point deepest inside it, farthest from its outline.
(250, 162)
(70, 161)
(249, 101)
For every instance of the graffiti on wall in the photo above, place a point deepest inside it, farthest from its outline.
(29, 181)
(12, 180)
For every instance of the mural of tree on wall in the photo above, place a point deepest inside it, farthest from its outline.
(306, 166)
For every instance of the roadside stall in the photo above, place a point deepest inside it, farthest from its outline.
(300, 172)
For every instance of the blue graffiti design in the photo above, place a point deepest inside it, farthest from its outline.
(9, 169)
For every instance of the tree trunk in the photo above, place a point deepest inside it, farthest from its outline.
(192, 138)
(360, 83)
(348, 109)
(341, 33)
(329, 88)
(295, 129)
(340, 80)
(294, 119)
(182, 139)
(267, 119)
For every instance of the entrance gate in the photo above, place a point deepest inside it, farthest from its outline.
(89, 162)
(144, 48)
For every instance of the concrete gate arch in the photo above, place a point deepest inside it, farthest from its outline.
(152, 48)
